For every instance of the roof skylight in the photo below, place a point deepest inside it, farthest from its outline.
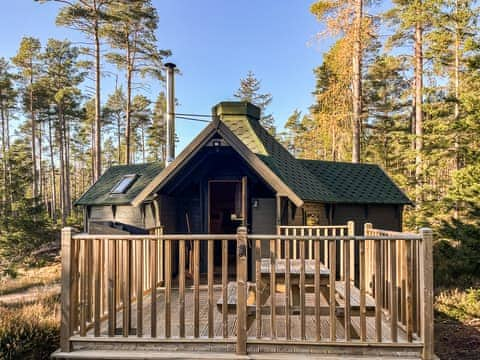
(124, 184)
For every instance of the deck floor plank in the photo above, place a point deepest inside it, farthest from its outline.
(251, 333)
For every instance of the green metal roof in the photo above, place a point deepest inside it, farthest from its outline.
(356, 183)
(100, 192)
(310, 180)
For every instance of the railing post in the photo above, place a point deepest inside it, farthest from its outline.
(426, 289)
(241, 290)
(66, 312)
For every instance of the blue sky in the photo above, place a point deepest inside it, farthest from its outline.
(214, 44)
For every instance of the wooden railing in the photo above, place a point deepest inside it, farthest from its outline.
(319, 230)
(111, 289)
(399, 275)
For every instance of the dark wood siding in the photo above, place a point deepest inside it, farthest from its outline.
(387, 217)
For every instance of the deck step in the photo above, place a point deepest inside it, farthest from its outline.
(160, 355)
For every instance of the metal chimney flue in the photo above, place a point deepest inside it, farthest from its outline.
(170, 112)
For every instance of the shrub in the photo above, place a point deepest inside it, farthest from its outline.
(459, 305)
(29, 331)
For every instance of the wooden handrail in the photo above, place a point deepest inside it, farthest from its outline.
(105, 275)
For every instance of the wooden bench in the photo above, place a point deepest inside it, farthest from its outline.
(232, 298)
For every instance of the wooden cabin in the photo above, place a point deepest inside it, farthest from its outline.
(237, 247)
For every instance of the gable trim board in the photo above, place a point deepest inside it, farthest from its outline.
(202, 139)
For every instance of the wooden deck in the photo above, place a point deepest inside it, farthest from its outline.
(299, 302)
(232, 321)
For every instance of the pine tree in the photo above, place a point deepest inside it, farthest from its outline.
(157, 132)
(345, 18)
(89, 17)
(63, 76)
(114, 112)
(388, 105)
(249, 90)
(141, 121)
(27, 60)
(8, 97)
(131, 31)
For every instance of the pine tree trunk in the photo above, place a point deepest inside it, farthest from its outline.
(418, 113)
(4, 157)
(457, 93)
(357, 83)
(68, 187)
(128, 108)
(34, 137)
(97, 165)
(62, 154)
(457, 103)
(52, 169)
(119, 140)
(40, 170)
(143, 144)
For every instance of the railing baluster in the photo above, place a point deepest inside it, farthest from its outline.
(341, 257)
(326, 249)
(97, 254)
(89, 267)
(112, 287)
(181, 286)
(210, 289)
(378, 291)
(363, 318)
(317, 290)
(346, 273)
(258, 288)
(83, 287)
(302, 286)
(310, 244)
(75, 284)
(139, 283)
(393, 291)
(127, 303)
(408, 281)
(287, 290)
(168, 286)
(153, 284)
(196, 289)
(225, 287)
(332, 301)
(273, 325)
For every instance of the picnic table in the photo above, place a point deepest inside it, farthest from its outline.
(295, 269)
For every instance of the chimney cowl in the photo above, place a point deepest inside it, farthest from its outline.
(238, 108)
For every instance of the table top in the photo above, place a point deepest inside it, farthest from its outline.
(265, 267)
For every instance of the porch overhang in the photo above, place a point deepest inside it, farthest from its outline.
(217, 127)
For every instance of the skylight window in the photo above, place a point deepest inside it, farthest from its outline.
(124, 184)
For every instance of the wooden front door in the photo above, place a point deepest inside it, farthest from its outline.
(226, 211)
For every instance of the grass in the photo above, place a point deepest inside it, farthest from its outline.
(27, 277)
(30, 330)
(457, 324)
